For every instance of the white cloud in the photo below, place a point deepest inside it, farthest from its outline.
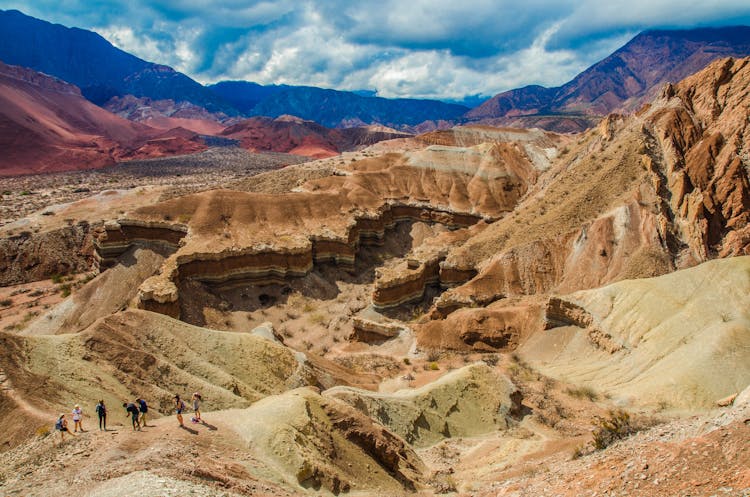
(420, 48)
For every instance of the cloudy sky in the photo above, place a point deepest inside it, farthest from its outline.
(444, 49)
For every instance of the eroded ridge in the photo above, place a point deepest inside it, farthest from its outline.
(222, 235)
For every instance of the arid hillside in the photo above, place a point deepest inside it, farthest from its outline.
(47, 126)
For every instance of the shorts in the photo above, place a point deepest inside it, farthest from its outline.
(179, 411)
(62, 429)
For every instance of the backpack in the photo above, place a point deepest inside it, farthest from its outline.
(100, 410)
(59, 425)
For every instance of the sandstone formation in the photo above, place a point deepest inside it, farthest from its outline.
(296, 136)
(224, 235)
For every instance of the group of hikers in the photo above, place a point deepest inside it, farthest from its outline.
(136, 411)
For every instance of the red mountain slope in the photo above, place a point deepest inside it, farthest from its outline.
(47, 126)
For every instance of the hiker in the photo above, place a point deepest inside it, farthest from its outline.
(179, 407)
(101, 410)
(143, 408)
(77, 418)
(132, 411)
(61, 425)
(197, 407)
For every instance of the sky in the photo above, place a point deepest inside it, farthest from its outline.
(444, 49)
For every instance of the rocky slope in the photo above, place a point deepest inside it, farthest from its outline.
(638, 196)
(168, 114)
(624, 80)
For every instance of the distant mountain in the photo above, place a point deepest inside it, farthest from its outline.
(333, 108)
(297, 136)
(47, 126)
(90, 62)
(244, 95)
(624, 80)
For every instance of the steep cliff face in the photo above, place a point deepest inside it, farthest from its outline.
(638, 196)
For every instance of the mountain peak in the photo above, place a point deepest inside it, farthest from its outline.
(627, 78)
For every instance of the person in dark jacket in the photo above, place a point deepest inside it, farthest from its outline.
(179, 406)
(143, 408)
(101, 411)
(132, 410)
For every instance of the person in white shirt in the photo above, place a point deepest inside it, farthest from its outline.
(77, 418)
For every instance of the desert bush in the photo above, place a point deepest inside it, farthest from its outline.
(577, 453)
(42, 431)
(6, 302)
(434, 366)
(64, 290)
(317, 318)
(433, 355)
(583, 392)
(407, 361)
(615, 427)
(308, 307)
(491, 360)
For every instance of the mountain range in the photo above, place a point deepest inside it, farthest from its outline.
(333, 108)
(108, 76)
(626, 79)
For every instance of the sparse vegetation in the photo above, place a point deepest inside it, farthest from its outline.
(6, 302)
(611, 429)
(64, 290)
(578, 452)
(317, 318)
(583, 392)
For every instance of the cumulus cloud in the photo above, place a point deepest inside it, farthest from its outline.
(421, 48)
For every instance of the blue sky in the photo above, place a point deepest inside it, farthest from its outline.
(444, 49)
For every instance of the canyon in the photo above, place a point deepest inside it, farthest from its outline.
(470, 311)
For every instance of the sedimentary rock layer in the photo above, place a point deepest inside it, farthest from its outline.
(227, 235)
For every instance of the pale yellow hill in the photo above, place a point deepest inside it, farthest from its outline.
(470, 401)
(680, 340)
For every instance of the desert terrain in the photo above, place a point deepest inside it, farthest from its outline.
(472, 311)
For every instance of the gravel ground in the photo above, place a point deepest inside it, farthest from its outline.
(213, 168)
